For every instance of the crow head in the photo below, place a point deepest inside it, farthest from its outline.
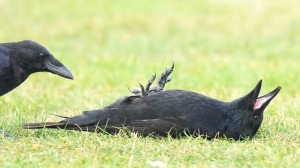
(250, 109)
(33, 57)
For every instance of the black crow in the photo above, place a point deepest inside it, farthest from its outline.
(20, 59)
(173, 112)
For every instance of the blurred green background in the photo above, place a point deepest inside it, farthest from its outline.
(220, 48)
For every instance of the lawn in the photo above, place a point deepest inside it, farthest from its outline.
(220, 49)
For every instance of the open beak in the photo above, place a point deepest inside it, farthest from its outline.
(56, 67)
(263, 101)
(249, 99)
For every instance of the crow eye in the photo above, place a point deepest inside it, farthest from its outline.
(41, 56)
(256, 117)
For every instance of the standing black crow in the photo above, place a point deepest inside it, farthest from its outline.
(20, 59)
(173, 112)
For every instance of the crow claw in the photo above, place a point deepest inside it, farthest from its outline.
(150, 81)
(134, 90)
(163, 79)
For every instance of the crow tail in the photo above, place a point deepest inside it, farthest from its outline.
(66, 126)
(40, 125)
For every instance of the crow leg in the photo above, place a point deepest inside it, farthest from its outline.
(164, 78)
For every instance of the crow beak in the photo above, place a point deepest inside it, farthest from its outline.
(255, 91)
(252, 96)
(263, 101)
(56, 67)
(248, 100)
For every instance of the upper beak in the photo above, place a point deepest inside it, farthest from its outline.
(58, 68)
(263, 101)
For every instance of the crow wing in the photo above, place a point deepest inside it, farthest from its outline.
(161, 126)
(6, 72)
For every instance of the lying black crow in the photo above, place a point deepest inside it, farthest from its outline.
(173, 112)
(20, 59)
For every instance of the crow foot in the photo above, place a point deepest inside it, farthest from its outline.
(164, 78)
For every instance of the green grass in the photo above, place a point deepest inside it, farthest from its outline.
(220, 48)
